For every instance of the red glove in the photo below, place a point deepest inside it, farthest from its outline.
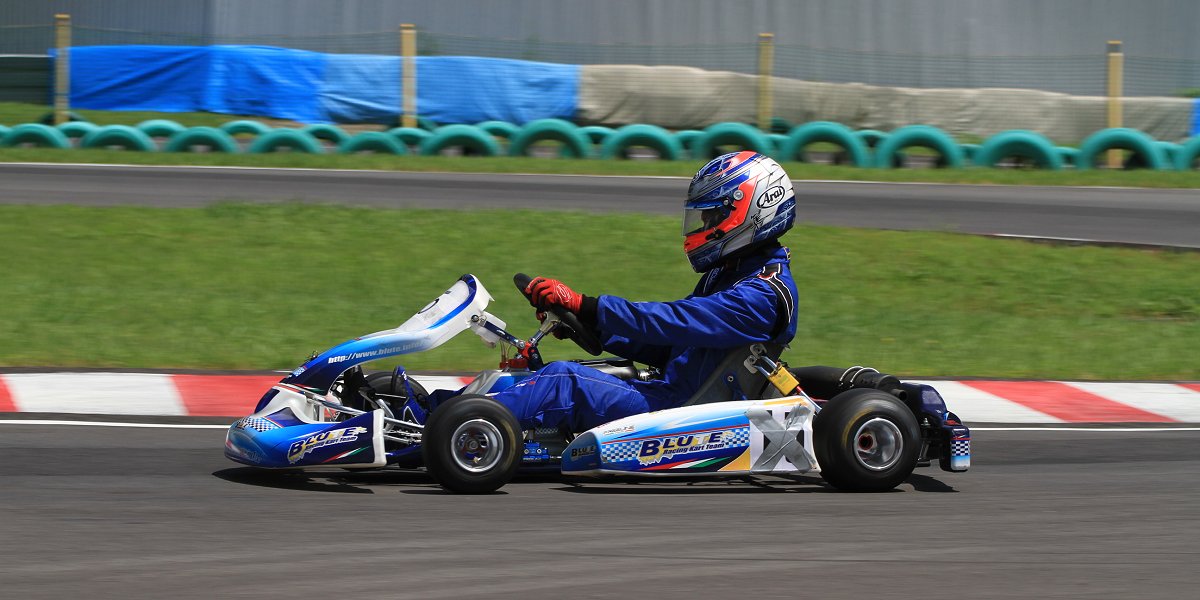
(544, 293)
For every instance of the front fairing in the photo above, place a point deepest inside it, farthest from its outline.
(445, 317)
(290, 432)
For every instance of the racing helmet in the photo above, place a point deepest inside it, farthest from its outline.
(736, 201)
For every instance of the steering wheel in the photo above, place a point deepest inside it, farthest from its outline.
(579, 334)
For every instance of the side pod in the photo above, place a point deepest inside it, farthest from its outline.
(734, 438)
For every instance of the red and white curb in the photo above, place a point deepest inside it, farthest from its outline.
(149, 393)
(235, 395)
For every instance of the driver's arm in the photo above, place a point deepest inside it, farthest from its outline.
(744, 314)
(647, 354)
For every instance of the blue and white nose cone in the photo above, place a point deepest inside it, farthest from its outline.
(250, 442)
(582, 456)
(280, 441)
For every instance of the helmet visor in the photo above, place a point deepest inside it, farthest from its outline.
(702, 216)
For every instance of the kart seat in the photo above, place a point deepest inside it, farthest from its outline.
(732, 381)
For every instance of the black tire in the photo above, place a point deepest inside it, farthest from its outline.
(472, 429)
(382, 382)
(852, 435)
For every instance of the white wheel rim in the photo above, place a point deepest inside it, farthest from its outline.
(476, 445)
(878, 444)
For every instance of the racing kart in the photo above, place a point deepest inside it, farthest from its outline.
(860, 429)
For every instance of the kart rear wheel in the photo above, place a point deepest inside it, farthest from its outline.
(866, 441)
(471, 444)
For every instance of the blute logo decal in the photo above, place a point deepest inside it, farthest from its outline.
(653, 451)
(302, 447)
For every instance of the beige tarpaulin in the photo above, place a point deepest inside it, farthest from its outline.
(689, 98)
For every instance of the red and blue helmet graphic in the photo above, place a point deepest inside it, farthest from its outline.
(737, 200)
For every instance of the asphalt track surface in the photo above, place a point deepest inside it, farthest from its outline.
(1134, 216)
(102, 512)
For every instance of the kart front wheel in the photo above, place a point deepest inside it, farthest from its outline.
(471, 444)
(866, 441)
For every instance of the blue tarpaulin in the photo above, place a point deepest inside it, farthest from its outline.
(462, 89)
(166, 78)
(1196, 117)
(312, 87)
(271, 82)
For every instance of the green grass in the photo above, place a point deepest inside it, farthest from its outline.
(798, 171)
(261, 286)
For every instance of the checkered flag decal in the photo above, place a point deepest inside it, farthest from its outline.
(737, 437)
(620, 451)
(258, 424)
(960, 448)
(624, 451)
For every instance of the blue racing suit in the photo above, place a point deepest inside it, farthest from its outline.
(743, 301)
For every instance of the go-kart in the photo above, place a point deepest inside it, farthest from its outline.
(860, 429)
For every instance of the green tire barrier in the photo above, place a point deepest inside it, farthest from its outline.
(829, 132)
(126, 137)
(329, 133)
(245, 126)
(292, 139)
(1187, 154)
(1120, 138)
(42, 136)
(919, 135)
(424, 123)
(77, 129)
(781, 125)
(686, 138)
(473, 140)
(729, 134)
(650, 136)
(160, 128)
(1018, 142)
(1069, 155)
(373, 141)
(871, 137)
(210, 137)
(500, 129)
(1170, 149)
(574, 143)
(410, 136)
(777, 141)
(597, 134)
(48, 118)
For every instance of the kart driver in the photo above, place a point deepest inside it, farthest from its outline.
(737, 207)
